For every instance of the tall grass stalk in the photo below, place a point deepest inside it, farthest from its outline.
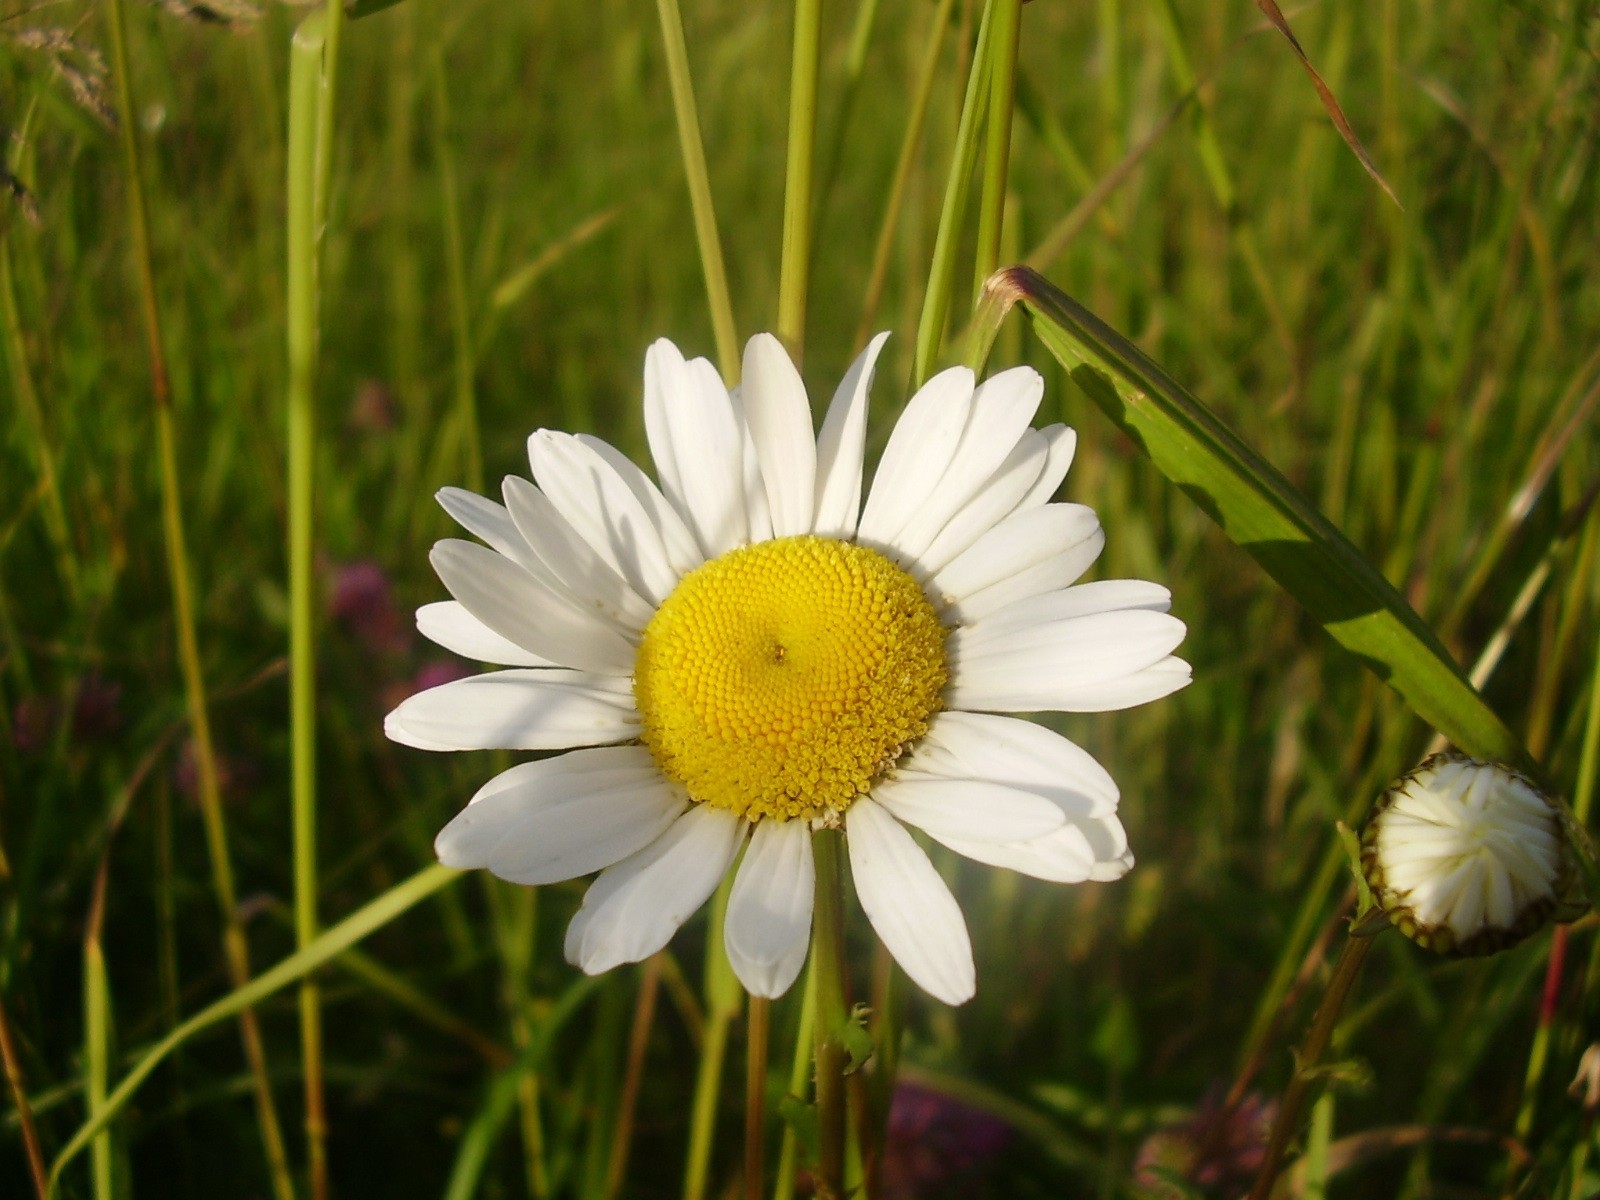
(693, 153)
(794, 277)
(310, 121)
(799, 1072)
(997, 146)
(722, 995)
(235, 946)
(827, 951)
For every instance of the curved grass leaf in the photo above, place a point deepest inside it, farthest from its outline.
(372, 916)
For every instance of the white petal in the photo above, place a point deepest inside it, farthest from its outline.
(682, 550)
(1140, 687)
(757, 512)
(634, 907)
(447, 623)
(924, 439)
(517, 710)
(976, 809)
(698, 446)
(534, 615)
(542, 822)
(1001, 410)
(779, 417)
(908, 904)
(1060, 857)
(1019, 754)
(1063, 443)
(486, 519)
(997, 499)
(1073, 854)
(1031, 551)
(571, 559)
(769, 910)
(840, 446)
(600, 505)
(1038, 659)
(1080, 600)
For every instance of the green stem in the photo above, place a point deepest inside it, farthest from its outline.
(722, 1006)
(997, 151)
(1306, 1075)
(788, 1155)
(941, 272)
(895, 205)
(794, 278)
(310, 131)
(827, 952)
(455, 261)
(236, 953)
(694, 168)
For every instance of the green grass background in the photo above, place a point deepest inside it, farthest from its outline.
(1411, 369)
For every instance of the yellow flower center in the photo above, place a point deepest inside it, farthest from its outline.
(781, 679)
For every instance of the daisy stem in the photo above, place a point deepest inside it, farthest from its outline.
(755, 1096)
(827, 952)
(794, 277)
(693, 152)
(236, 954)
(1309, 1060)
(997, 151)
(313, 59)
(941, 272)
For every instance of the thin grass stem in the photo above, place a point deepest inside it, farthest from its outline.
(235, 946)
(19, 1101)
(693, 152)
(997, 147)
(942, 269)
(722, 1006)
(794, 277)
(827, 951)
(894, 206)
(464, 368)
(800, 1068)
(644, 1015)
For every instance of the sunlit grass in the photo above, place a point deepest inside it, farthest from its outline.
(1426, 375)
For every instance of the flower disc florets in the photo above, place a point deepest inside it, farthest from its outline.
(1465, 857)
(781, 679)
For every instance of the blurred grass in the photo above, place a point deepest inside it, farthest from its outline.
(1406, 368)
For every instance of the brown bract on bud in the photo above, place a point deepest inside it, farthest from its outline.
(1467, 857)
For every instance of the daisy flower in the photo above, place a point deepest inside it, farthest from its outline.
(745, 651)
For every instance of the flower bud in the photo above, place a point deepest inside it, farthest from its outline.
(1466, 857)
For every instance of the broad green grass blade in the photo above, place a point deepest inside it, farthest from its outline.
(365, 920)
(1265, 514)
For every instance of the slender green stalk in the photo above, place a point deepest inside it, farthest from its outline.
(722, 1006)
(755, 1096)
(794, 277)
(827, 951)
(800, 1068)
(997, 149)
(97, 1037)
(38, 441)
(693, 153)
(895, 205)
(465, 367)
(329, 944)
(942, 270)
(516, 952)
(310, 118)
(1292, 1106)
(236, 952)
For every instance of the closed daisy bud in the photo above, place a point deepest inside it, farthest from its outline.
(1466, 857)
